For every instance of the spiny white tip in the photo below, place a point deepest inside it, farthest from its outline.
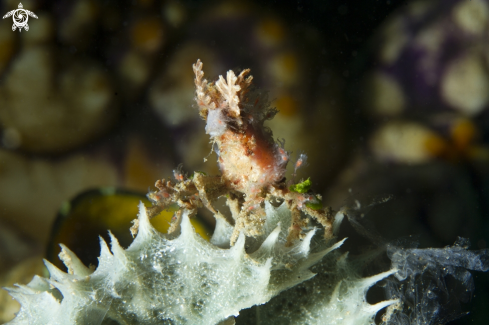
(30, 299)
(271, 240)
(374, 309)
(116, 248)
(238, 250)
(268, 263)
(66, 288)
(338, 218)
(21, 289)
(104, 249)
(336, 292)
(342, 261)
(145, 228)
(186, 228)
(73, 263)
(55, 273)
(305, 246)
(335, 246)
(104, 260)
(222, 233)
(264, 271)
(17, 294)
(370, 281)
(38, 283)
(313, 258)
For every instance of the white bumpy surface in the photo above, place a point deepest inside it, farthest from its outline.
(187, 280)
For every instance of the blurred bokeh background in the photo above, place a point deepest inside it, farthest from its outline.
(385, 97)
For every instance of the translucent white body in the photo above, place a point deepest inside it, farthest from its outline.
(187, 280)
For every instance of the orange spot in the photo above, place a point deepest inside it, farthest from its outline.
(271, 32)
(436, 145)
(463, 133)
(287, 106)
(263, 156)
(284, 68)
(289, 63)
(147, 35)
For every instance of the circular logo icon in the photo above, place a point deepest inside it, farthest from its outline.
(20, 17)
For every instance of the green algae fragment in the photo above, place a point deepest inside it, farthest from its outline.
(197, 171)
(303, 187)
(315, 204)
